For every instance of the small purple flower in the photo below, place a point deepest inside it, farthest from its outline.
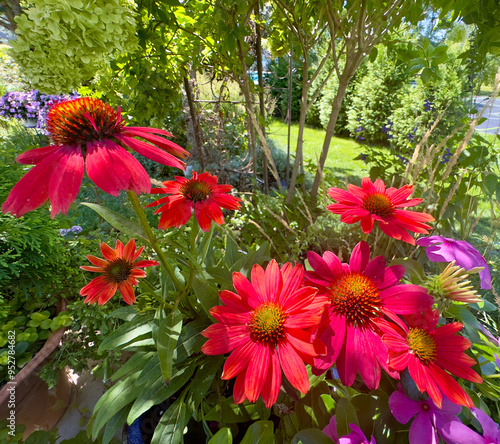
(356, 437)
(443, 249)
(63, 232)
(331, 429)
(446, 156)
(76, 229)
(403, 159)
(428, 105)
(429, 419)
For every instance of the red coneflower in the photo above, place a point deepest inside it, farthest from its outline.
(201, 194)
(361, 293)
(88, 134)
(373, 202)
(265, 325)
(120, 271)
(431, 354)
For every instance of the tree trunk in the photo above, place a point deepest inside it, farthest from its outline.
(262, 105)
(330, 131)
(302, 122)
(194, 121)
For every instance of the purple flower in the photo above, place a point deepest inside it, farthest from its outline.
(443, 249)
(356, 437)
(491, 431)
(461, 434)
(76, 229)
(429, 419)
(331, 429)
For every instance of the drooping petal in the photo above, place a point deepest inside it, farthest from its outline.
(293, 367)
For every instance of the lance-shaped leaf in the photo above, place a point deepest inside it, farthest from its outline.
(121, 223)
(167, 335)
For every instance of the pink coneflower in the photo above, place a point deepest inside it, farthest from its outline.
(88, 134)
(361, 293)
(200, 194)
(120, 271)
(266, 325)
(373, 202)
(431, 354)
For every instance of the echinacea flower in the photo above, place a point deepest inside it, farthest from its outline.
(361, 293)
(450, 286)
(200, 194)
(266, 325)
(429, 421)
(445, 249)
(373, 202)
(432, 355)
(119, 270)
(88, 135)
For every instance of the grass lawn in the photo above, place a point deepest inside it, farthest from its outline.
(340, 156)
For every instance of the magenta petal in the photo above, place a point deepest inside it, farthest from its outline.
(490, 427)
(457, 433)
(402, 407)
(151, 152)
(359, 257)
(112, 169)
(65, 182)
(422, 430)
(33, 189)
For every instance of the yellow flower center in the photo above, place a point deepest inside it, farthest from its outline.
(422, 345)
(357, 298)
(82, 120)
(378, 204)
(196, 190)
(268, 324)
(118, 270)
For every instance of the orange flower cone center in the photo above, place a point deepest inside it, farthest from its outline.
(378, 204)
(356, 297)
(422, 345)
(268, 324)
(82, 120)
(195, 190)
(118, 270)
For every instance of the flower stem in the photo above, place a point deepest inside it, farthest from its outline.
(136, 205)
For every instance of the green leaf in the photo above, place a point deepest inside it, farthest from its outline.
(131, 331)
(345, 415)
(167, 336)
(190, 340)
(490, 183)
(204, 377)
(207, 295)
(223, 436)
(260, 432)
(232, 254)
(137, 361)
(119, 222)
(157, 392)
(116, 398)
(171, 426)
(113, 425)
(311, 436)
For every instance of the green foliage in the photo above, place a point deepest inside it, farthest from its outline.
(31, 331)
(375, 96)
(62, 44)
